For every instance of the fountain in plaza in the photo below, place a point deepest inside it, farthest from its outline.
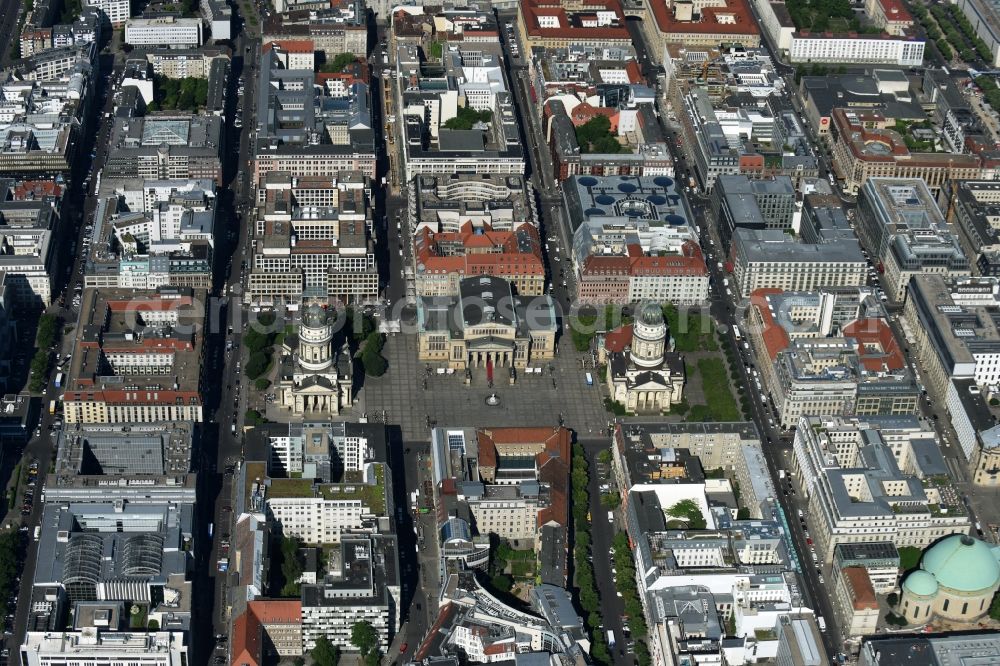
(493, 400)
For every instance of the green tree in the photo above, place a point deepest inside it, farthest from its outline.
(599, 651)
(48, 330)
(325, 653)
(593, 129)
(467, 117)
(502, 583)
(359, 326)
(606, 144)
(995, 607)
(611, 500)
(253, 417)
(688, 511)
(908, 557)
(339, 62)
(291, 565)
(70, 12)
(642, 653)
(258, 364)
(364, 637)
(255, 340)
(185, 100)
(743, 514)
(943, 47)
(374, 364)
(594, 136)
(39, 370)
(10, 544)
(374, 342)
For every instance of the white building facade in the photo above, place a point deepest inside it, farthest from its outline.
(164, 31)
(117, 11)
(91, 647)
(845, 49)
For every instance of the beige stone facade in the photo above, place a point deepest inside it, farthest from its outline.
(314, 380)
(486, 324)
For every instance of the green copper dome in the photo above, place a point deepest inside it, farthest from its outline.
(962, 563)
(921, 584)
(651, 314)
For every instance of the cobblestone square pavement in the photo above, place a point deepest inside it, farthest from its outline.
(448, 401)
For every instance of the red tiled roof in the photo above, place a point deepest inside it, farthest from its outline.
(877, 346)
(634, 73)
(141, 396)
(616, 341)
(532, 9)
(147, 345)
(690, 262)
(583, 113)
(894, 10)
(553, 438)
(775, 337)
(277, 611)
(861, 585)
(37, 188)
(553, 461)
(444, 617)
(248, 628)
(498, 648)
(503, 255)
(292, 45)
(245, 647)
(555, 472)
(605, 265)
(668, 265)
(893, 149)
(740, 24)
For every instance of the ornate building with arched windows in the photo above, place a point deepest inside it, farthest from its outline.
(956, 581)
(314, 379)
(643, 373)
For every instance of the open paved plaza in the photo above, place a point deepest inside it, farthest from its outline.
(534, 400)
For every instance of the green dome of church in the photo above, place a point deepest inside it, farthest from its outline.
(961, 563)
(921, 584)
(651, 314)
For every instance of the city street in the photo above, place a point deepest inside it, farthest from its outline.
(602, 533)
(10, 12)
(226, 398)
